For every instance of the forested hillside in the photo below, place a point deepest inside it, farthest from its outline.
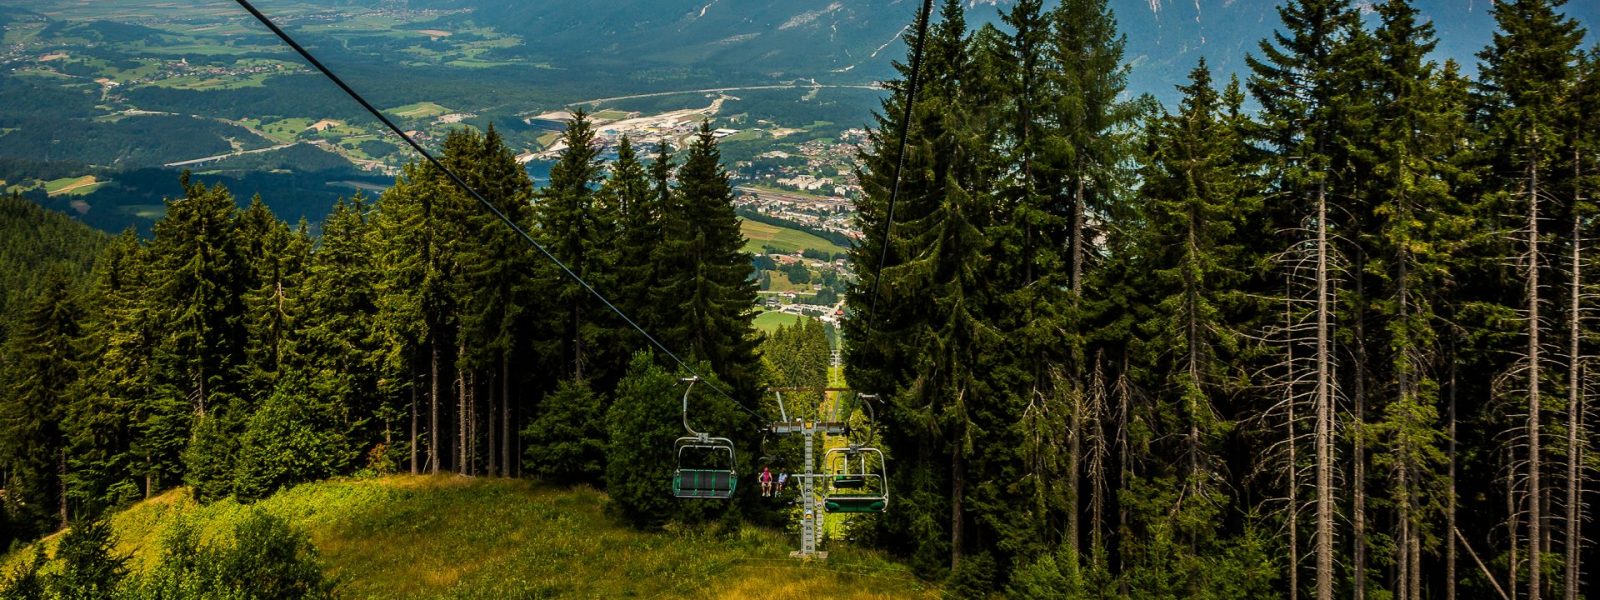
(234, 353)
(36, 246)
(1321, 331)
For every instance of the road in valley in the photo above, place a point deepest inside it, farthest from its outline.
(781, 86)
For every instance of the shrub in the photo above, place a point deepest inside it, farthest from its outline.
(88, 569)
(268, 560)
(287, 441)
(566, 442)
(24, 583)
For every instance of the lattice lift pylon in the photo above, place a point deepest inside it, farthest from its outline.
(812, 510)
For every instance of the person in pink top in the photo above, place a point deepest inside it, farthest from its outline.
(766, 482)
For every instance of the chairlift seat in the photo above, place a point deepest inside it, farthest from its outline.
(849, 482)
(718, 484)
(853, 503)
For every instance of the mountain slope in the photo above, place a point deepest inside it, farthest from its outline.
(33, 241)
(448, 536)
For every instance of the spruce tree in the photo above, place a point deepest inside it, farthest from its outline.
(1193, 206)
(40, 367)
(1095, 128)
(1301, 82)
(1419, 223)
(572, 229)
(89, 566)
(341, 344)
(565, 441)
(417, 245)
(905, 329)
(703, 270)
(277, 257)
(628, 195)
(1526, 73)
(204, 275)
(103, 467)
(500, 276)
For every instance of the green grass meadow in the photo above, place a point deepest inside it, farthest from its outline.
(769, 321)
(457, 537)
(785, 239)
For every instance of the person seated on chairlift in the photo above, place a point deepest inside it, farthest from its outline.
(783, 480)
(766, 482)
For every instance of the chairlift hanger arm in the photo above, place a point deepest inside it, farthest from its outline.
(686, 427)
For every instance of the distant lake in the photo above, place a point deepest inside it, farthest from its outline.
(539, 171)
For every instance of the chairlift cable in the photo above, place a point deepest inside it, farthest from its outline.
(460, 183)
(900, 162)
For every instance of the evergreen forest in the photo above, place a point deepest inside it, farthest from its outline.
(1319, 331)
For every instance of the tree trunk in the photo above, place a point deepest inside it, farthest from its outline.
(1074, 452)
(463, 413)
(1535, 464)
(1450, 500)
(472, 423)
(493, 447)
(1126, 461)
(1416, 564)
(506, 418)
(433, 413)
(957, 509)
(1192, 341)
(1077, 239)
(1075, 436)
(1325, 414)
(1574, 450)
(61, 482)
(1097, 464)
(1402, 546)
(1293, 478)
(1406, 568)
(1359, 478)
(414, 467)
(1512, 523)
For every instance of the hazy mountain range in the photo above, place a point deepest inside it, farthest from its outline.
(853, 40)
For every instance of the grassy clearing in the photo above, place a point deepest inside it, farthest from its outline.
(784, 191)
(144, 211)
(782, 238)
(770, 320)
(747, 135)
(202, 83)
(457, 537)
(82, 187)
(67, 185)
(781, 283)
(286, 130)
(419, 110)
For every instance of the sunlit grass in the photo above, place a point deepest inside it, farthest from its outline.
(418, 110)
(457, 537)
(770, 321)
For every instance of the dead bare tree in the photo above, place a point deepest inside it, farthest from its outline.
(1575, 363)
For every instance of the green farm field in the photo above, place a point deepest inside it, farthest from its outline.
(770, 321)
(419, 110)
(782, 238)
